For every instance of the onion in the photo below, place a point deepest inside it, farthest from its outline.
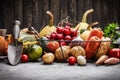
(48, 58)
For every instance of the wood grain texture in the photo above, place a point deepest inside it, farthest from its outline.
(33, 12)
(18, 11)
(8, 14)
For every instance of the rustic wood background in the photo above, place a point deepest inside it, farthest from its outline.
(33, 12)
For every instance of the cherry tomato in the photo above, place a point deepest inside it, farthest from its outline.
(67, 37)
(71, 60)
(24, 58)
(53, 35)
(59, 36)
(67, 31)
(68, 27)
(73, 33)
(60, 29)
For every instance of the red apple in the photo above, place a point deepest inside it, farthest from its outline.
(60, 29)
(71, 60)
(59, 36)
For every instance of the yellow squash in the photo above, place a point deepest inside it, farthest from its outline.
(47, 30)
(83, 24)
(84, 35)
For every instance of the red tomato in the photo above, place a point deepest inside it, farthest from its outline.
(24, 58)
(115, 52)
(52, 45)
(71, 60)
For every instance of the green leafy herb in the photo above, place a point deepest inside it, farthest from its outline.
(112, 30)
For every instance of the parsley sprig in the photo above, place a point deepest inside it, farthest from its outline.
(112, 30)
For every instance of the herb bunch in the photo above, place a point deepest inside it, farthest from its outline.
(112, 30)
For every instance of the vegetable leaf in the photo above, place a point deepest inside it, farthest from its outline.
(112, 30)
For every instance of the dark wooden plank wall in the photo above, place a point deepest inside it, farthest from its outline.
(33, 12)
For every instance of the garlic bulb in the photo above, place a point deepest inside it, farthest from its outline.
(81, 60)
(78, 41)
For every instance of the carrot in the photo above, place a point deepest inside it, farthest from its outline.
(91, 47)
(96, 32)
(101, 59)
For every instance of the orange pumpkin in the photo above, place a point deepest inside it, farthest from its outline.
(2, 40)
(5, 47)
